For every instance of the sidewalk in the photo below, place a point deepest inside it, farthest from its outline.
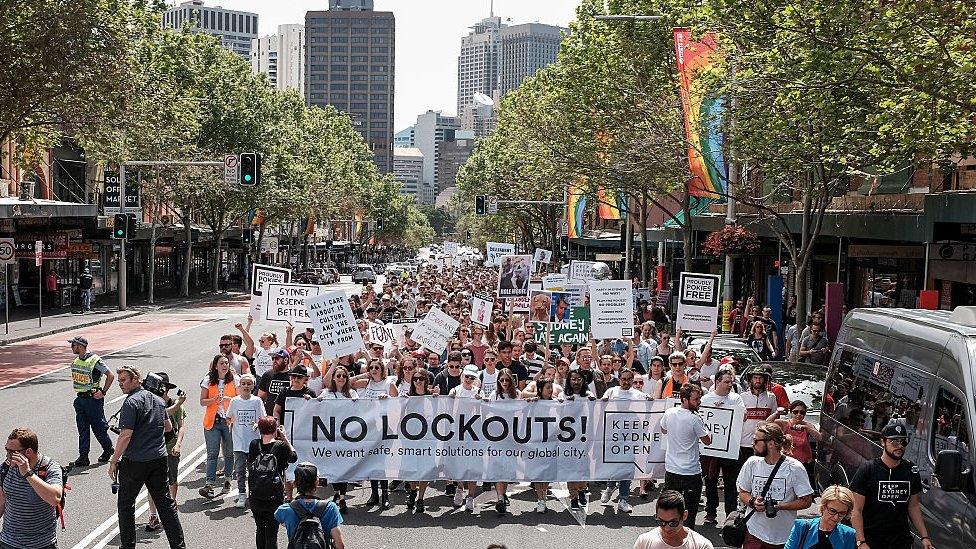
(23, 320)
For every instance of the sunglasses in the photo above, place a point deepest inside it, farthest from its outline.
(668, 523)
(340, 376)
(639, 383)
(677, 363)
(470, 377)
(222, 345)
(466, 354)
(416, 379)
(799, 412)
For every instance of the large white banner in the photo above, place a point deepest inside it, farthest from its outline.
(698, 302)
(261, 276)
(335, 325)
(286, 302)
(434, 331)
(430, 438)
(611, 309)
(495, 250)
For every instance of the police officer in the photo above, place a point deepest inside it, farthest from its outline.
(87, 370)
(140, 458)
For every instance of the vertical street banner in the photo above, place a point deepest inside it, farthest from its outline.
(261, 276)
(425, 438)
(434, 331)
(581, 271)
(698, 302)
(703, 113)
(286, 302)
(335, 325)
(482, 306)
(576, 198)
(611, 309)
(514, 273)
(495, 250)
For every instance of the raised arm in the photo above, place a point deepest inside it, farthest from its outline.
(246, 336)
(706, 354)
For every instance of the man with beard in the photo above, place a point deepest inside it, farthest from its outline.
(682, 459)
(758, 401)
(775, 487)
(886, 496)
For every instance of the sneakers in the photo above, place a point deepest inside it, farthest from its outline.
(450, 489)
(385, 502)
(583, 499)
(624, 507)
(241, 502)
(458, 498)
(374, 498)
(469, 504)
(226, 486)
(343, 508)
(500, 506)
(411, 500)
(106, 455)
(153, 524)
(606, 496)
(710, 518)
(207, 491)
(574, 504)
(540, 507)
(420, 507)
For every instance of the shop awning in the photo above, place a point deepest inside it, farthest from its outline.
(698, 206)
(13, 208)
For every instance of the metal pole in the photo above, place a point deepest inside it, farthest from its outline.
(925, 274)
(6, 297)
(123, 283)
(628, 248)
(40, 292)
(840, 248)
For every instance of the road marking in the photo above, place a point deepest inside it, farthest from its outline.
(189, 464)
(38, 376)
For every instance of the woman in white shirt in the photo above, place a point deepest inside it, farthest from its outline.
(339, 389)
(545, 391)
(419, 387)
(376, 385)
(505, 389)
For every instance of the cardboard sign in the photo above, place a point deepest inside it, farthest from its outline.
(382, 334)
(400, 327)
(335, 325)
(581, 271)
(577, 294)
(261, 276)
(495, 250)
(435, 330)
(541, 257)
(450, 248)
(611, 309)
(286, 302)
(574, 331)
(555, 282)
(641, 294)
(521, 304)
(482, 306)
(698, 302)
(561, 306)
(514, 274)
(540, 305)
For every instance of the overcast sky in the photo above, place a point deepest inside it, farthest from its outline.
(428, 39)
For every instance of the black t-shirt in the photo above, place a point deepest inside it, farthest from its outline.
(282, 452)
(273, 384)
(290, 393)
(886, 493)
(520, 372)
(447, 382)
(85, 282)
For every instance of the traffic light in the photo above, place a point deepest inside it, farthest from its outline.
(120, 229)
(250, 164)
(480, 205)
(379, 225)
(247, 236)
(467, 234)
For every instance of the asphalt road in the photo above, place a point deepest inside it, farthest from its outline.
(37, 392)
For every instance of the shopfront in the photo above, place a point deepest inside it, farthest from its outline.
(882, 275)
(952, 271)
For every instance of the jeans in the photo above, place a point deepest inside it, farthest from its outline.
(133, 475)
(90, 417)
(86, 300)
(218, 439)
(728, 469)
(240, 471)
(752, 542)
(623, 487)
(690, 487)
(266, 533)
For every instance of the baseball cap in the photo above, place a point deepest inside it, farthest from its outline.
(165, 377)
(78, 340)
(298, 371)
(470, 370)
(894, 430)
(283, 353)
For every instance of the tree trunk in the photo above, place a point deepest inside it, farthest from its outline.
(642, 210)
(804, 254)
(188, 258)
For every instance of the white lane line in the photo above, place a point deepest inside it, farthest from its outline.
(190, 462)
(112, 353)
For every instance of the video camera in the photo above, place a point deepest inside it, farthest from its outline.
(154, 384)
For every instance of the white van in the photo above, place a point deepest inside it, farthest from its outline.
(916, 367)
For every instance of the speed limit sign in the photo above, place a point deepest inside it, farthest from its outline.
(7, 251)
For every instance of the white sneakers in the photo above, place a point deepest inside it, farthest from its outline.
(469, 504)
(459, 497)
(540, 507)
(606, 496)
(241, 502)
(624, 507)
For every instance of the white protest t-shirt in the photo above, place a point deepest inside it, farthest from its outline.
(330, 395)
(790, 483)
(758, 408)
(716, 400)
(684, 429)
(376, 388)
(488, 381)
(652, 540)
(245, 414)
(616, 393)
(495, 395)
(262, 361)
(461, 392)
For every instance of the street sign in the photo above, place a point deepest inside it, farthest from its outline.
(7, 254)
(269, 245)
(231, 167)
(492, 204)
(113, 193)
(132, 201)
(38, 253)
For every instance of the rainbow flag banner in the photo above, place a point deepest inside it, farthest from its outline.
(611, 203)
(574, 213)
(703, 114)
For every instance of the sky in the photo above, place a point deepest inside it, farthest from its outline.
(428, 39)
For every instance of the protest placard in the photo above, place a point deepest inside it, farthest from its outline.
(577, 294)
(434, 331)
(286, 302)
(450, 248)
(541, 257)
(611, 309)
(559, 311)
(262, 275)
(725, 425)
(382, 334)
(514, 273)
(573, 331)
(555, 282)
(641, 294)
(334, 323)
(400, 327)
(540, 305)
(495, 250)
(521, 304)
(581, 271)
(698, 302)
(482, 306)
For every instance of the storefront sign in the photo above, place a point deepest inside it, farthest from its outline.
(886, 252)
(112, 195)
(952, 252)
(53, 245)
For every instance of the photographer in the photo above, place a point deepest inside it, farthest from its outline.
(140, 456)
(174, 444)
(773, 485)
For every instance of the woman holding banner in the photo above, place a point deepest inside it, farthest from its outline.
(339, 389)
(545, 391)
(505, 389)
(376, 385)
(419, 386)
(576, 387)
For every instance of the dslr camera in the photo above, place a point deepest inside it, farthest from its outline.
(770, 508)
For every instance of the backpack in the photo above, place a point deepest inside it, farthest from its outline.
(42, 469)
(264, 477)
(309, 534)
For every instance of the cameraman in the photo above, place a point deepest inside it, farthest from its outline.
(789, 490)
(142, 449)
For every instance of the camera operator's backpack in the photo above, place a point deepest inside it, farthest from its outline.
(42, 469)
(264, 478)
(309, 534)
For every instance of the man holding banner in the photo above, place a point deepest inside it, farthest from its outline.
(682, 462)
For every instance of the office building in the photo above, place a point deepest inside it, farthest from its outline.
(404, 137)
(523, 50)
(432, 129)
(452, 154)
(408, 169)
(236, 29)
(478, 62)
(281, 57)
(349, 64)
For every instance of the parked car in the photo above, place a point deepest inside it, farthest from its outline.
(725, 346)
(311, 276)
(364, 274)
(802, 381)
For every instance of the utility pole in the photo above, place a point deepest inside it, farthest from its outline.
(729, 290)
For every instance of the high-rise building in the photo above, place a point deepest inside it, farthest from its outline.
(432, 129)
(523, 50)
(404, 137)
(349, 64)
(478, 62)
(452, 155)
(281, 57)
(408, 169)
(236, 29)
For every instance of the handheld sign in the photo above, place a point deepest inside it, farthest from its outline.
(436, 328)
(286, 302)
(698, 302)
(334, 323)
(261, 276)
(611, 309)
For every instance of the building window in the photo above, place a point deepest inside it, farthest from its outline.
(378, 135)
(359, 77)
(339, 40)
(360, 49)
(379, 78)
(360, 87)
(359, 58)
(338, 68)
(358, 96)
(360, 40)
(358, 106)
(360, 30)
(339, 58)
